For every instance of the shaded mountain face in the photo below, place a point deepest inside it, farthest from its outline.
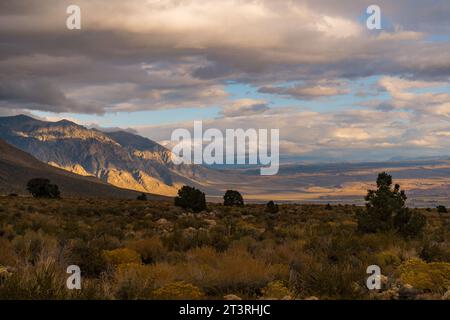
(120, 158)
(18, 167)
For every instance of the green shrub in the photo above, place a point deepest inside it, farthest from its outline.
(386, 210)
(272, 207)
(142, 197)
(150, 249)
(121, 256)
(191, 198)
(441, 209)
(434, 252)
(42, 188)
(88, 257)
(233, 198)
(413, 225)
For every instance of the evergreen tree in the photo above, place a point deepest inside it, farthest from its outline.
(191, 198)
(233, 198)
(42, 188)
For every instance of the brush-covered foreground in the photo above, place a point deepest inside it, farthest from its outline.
(130, 249)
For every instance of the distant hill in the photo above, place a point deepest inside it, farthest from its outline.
(18, 167)
(119, 158)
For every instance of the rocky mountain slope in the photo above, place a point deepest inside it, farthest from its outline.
(18, 167)
(119, 158)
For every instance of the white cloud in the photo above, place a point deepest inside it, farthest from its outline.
(404, 96)
(351, 134)
(245, 107)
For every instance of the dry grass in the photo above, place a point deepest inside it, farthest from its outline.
(131, 249)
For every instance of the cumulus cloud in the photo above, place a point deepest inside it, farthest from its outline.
(309, 91)
(245, 107)
(405, 96)
(151, 55)
(168, 54)
(352, 135)
(38, 95)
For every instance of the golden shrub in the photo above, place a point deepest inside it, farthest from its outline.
(276, 290)
(39, 238)
(120, 256)
(4, 273)
(132, 281)
(179, 290)
(150, 249)
(433, 276)
(388, 258)
(158, 274)
(234, 270)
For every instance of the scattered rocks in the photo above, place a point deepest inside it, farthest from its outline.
(391, 294)
(189, 232)
(384, 281)
(211, 223)
(214, 213)
(162, 222)
(407, 291)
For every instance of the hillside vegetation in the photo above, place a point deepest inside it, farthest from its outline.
(131, 249)
(18, 167)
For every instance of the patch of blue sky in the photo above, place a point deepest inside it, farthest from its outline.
(444, 88)
(438, 37)
(319, 104)
(239, 91)
(236, 91)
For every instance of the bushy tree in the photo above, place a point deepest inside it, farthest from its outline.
(413, 225)
(441, 209)
(142, 197)
(233, 198)
(386, 210)
(191, 198)
(42, 188)
(272, 207)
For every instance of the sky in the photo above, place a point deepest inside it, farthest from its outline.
(336, 90)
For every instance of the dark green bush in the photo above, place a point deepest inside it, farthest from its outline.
(191, 198)
(42, 188)
(233, 198)
(441, 209)
(142, 197)
(386, 210)
(272, 207)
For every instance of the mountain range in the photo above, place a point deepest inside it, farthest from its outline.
(122, 160)
(18, 167)
(118, 158)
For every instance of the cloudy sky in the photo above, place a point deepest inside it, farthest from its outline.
(336, 90)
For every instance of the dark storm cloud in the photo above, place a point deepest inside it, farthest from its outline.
(39, 95)
(170, 54)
